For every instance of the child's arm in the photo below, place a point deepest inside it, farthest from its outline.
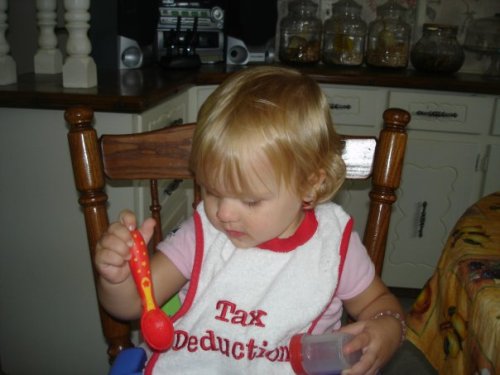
(116, 288)
(379, 327)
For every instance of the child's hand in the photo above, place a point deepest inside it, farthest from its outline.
(113, 248)
(378, 339)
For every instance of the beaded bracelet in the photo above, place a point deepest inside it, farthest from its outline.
(396, 316)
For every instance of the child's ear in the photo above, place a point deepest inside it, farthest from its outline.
(315, 181)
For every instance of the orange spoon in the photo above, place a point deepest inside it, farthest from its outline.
(156, 326)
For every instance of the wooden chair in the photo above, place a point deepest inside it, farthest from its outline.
(163, 154)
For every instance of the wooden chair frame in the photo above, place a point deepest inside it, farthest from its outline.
(166, 152)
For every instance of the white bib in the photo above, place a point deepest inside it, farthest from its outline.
(244, 305)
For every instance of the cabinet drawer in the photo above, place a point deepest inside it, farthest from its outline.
(171, 111)
(456, 113)
(361, 106)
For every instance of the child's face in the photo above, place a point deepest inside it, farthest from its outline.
(269, 211)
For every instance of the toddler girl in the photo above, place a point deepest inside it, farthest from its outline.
(266, 254)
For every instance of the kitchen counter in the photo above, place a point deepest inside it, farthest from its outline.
(134, 91)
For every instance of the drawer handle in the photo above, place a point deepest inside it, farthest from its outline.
(421, 220)
(437, 114)
(178, 121)
(340, 106)
(171, 187)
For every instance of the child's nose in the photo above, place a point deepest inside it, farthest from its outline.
(227, 210)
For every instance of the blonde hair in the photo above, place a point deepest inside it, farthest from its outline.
(275, 112)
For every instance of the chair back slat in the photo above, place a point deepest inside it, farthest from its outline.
(159, 154)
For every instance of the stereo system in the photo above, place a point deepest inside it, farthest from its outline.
(129, 34)
(190, 29)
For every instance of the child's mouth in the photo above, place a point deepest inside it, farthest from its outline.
(234, 233)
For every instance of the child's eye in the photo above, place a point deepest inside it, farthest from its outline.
(252, 203)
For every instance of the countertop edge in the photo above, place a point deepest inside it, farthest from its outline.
(135, 91)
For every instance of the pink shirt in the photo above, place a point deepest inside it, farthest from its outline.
(357, 274)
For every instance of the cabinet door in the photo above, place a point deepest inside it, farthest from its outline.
(437, 187)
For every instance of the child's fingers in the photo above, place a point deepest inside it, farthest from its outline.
(128, 219)
(147, 229)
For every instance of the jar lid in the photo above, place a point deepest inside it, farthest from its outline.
(303, 5)
(440, 29)
(346, 7)
(439, 26)
(391, 7)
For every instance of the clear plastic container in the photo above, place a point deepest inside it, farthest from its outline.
(388, 43)
(321, 354)
(300, 34)
(344, 35)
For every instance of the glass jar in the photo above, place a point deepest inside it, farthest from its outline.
(483, 37)
(438, 51)
(388, 42)
(300, 34)
(344, 35)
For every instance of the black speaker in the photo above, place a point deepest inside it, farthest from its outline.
(122, 32)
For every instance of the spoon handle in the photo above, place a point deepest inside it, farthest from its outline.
(141, 272)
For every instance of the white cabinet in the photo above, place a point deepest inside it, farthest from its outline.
(443, 174)
(451, 160)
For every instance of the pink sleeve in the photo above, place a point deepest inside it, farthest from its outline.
(358, 272)
(180, 247)
(357, 275)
